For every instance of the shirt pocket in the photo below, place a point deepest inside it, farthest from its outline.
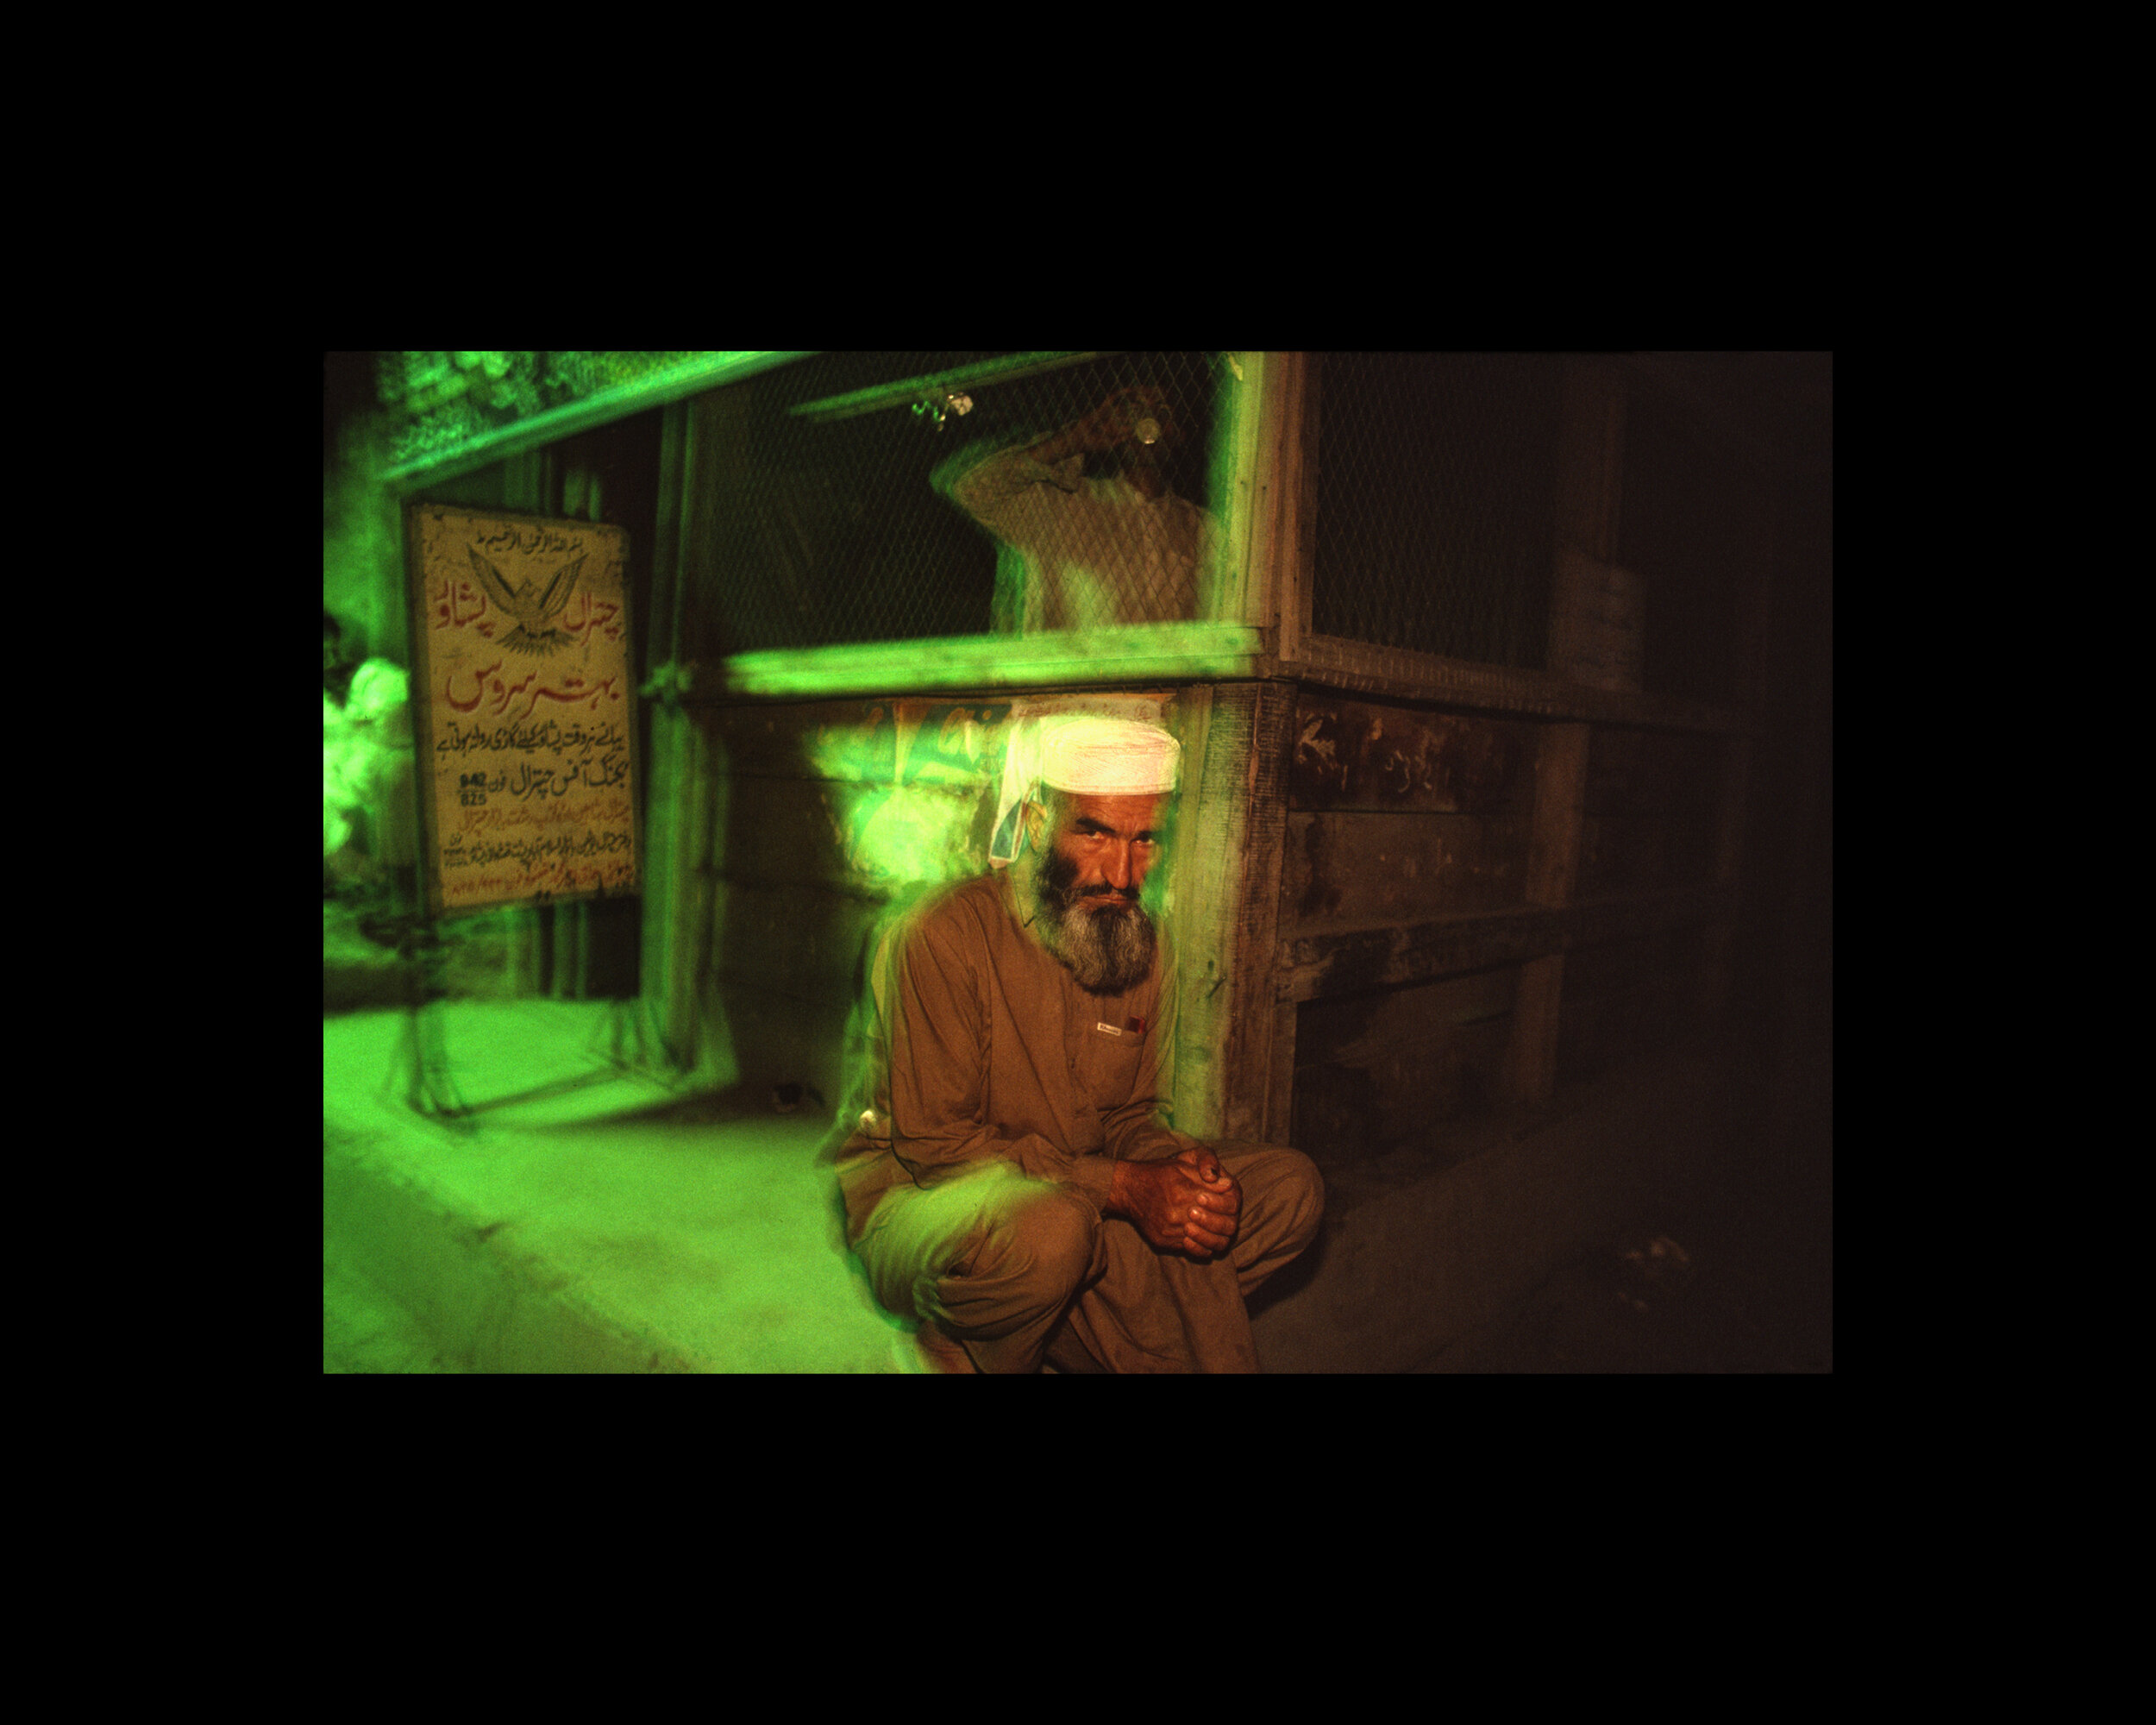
(1109, 1057)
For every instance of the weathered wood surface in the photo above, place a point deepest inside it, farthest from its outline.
(1250, 729)
(1374, 1071)
(1204, 883)
(1358, 667)
(1356, 869)
(1354, 1030)
(1143, 657)
(1596, 622)
(963, 669)
(677, 926)
(1373, 755)
(1315, 966)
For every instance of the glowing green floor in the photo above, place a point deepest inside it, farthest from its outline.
(576, 1233)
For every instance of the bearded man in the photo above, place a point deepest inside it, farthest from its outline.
(1011, 1179)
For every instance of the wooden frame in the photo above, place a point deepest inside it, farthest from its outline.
(1582, 688)
(1246, 975)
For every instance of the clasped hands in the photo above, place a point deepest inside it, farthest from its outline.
(1186, 1203)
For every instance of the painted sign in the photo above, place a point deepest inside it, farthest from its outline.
(523, 702)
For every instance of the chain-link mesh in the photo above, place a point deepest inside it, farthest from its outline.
(1437, 502)
(854, 522)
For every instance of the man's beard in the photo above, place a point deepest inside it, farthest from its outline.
(1103, 938)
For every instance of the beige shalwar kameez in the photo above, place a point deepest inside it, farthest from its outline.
(996, 1097)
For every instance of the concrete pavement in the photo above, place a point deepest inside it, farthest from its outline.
(609, 1223)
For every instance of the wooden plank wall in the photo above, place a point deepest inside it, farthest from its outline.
(825, 812)
(1234, 1065)
(1400, 817)
(1422, 900)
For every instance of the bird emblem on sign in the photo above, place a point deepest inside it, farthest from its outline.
(535, 608)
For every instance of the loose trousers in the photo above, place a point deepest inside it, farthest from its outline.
(1020, 1271)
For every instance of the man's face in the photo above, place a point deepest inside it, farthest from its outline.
(1106, 845)
(1099, 850)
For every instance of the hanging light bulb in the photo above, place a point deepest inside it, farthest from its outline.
(942, 403)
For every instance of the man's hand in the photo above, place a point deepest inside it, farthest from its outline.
(1185, 1204)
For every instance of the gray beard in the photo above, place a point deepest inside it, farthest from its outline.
(1106, 942)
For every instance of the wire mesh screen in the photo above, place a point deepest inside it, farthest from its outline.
(1436, 523)
(841, 499)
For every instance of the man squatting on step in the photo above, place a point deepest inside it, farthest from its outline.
(1008, 1177)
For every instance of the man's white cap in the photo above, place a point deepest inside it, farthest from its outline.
(1094, 756)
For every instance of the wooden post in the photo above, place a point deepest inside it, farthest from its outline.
(1260, 1097)
(1279, 556)
(1227, 908)
(1264, 511)
(1237, 1045)
(1586, 643)
(1553, 855)
(672, 793)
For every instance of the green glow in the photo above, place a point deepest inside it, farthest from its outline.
(365, 766)
(361, 552)
(1150, 653)
(457, 411)
(906, 789)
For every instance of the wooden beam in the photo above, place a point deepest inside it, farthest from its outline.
(1227, 908)
(1292, 448)
(1590, 465)
(676, 894)
(1252, 1090)
(1202, 930)
(1148, 655)
(1358, 667)
(1317, 966)
(1163, 654)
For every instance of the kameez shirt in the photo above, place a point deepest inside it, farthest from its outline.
(981, 1043)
